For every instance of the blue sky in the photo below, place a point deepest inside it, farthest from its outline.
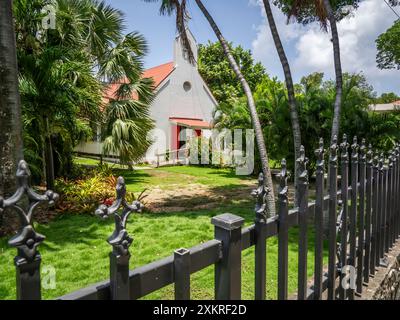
(243, 22)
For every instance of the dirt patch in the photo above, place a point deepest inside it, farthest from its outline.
(195, 197)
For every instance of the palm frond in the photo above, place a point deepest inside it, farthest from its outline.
(170, 7)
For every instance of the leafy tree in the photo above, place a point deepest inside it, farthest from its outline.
(216, 71)
(388, 97)
(179, 9)
(388, 45)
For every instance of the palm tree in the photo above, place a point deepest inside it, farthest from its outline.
(127, 116)
(179, 8)
(57, 90)
(338, 70)
(294, 116)
(309, 10)
(64, 70)
(10, 105)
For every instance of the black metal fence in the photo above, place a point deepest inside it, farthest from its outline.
(363, 224)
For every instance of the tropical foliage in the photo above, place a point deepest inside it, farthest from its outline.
(315, 97)
(216, 71)
(62, 76)
(308, 11)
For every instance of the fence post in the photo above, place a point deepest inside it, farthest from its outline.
(397, 204)
(332, 219)
(389, 222)
(319, 226)
(260, 236)
(303, 224)
(28, 259)
(393, 200)
(381, 212)
(361, 226)
(374, 218)
(120, 241)
(396, 193)
(368, 214)
(283, 237)
(228, 269)
(383, 261)
(182, 274)
(353, 212)
(343, 227)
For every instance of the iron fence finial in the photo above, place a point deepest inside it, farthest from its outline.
(302, 166)
(344, 146)
(27, 239)
(363, 151)
(261, 199)
(120, 239)
(381, 161)
(354, 150)
(370, 155)
(319, 153)
(333, 151)
(283, 177)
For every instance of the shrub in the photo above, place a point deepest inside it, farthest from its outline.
(84, 195)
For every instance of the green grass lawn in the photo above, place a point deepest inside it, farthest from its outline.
(76, 244)
(95, 162)
(173, 177)
(76, 248)
(176, 177)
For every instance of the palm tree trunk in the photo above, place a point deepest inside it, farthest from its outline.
(10, 103)
(294, 116)
(49, 160)
(338, 70)
(253, 112)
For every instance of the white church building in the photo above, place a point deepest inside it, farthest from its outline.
(182, 101)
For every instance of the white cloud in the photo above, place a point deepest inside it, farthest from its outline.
(309, 49)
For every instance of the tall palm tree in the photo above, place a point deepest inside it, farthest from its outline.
(338, 70)
(294, 116)
(309, 10)
(179, 8)
(10, 105)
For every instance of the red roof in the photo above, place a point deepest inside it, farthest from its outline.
(192, 123)
(159, 74)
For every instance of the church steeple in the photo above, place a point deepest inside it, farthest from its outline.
(180, 56)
